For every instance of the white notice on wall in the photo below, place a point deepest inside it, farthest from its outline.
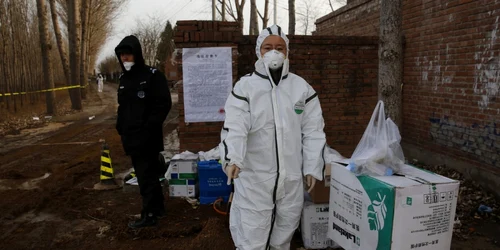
(207, 80)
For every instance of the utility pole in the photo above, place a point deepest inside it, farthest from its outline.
(275, 11)
(213, 10)
(223, 10)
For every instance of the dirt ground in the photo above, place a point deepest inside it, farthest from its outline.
(47, 173)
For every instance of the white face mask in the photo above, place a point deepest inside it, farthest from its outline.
(128, 65)
(274, 59)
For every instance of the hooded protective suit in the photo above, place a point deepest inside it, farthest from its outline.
(274, 133)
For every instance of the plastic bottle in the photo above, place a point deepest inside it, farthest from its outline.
(370, 168)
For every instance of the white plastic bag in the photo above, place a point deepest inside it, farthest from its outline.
(213, 154)
(379, 151)
(332, 155)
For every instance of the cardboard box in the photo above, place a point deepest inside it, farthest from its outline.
(183, 188)
(184, 169)
(321, 192)
(413, 211)
(314, 226)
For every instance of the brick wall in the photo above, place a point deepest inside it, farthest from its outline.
(451, 98)
(356, 18)
(343, 70)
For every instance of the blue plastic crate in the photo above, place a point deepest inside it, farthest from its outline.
(212, 182)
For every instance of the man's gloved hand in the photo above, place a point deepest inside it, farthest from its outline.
(232, 172)
(310, 181)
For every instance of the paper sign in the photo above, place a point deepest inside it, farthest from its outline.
(207, 82)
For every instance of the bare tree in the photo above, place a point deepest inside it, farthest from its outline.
(61, 45)
(310, 10)
(390, 76)
(307, 15)
(291, 17)
(236, 12)
(99, 25)
(14, 80)
(149, 34)
(240, 4)
(254, 22)
(43, 23)
(22, 41)
(19, 46)
(223, 13)
(74, 48)
(85, 4)
(102, 14)
(265, 17)
(4, 18)
(337, 2)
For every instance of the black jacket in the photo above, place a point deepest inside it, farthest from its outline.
(144, 102)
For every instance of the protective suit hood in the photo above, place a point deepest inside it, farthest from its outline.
(131, 45)
(274, 30)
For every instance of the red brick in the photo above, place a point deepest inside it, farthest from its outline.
(449, 34)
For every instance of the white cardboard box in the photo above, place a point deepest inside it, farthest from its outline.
(413, 211)
(183, 188)
(314, 226)
(184, 169)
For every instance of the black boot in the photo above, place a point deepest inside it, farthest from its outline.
(146, 220)
(162, 214)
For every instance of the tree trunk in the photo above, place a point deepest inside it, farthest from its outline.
(43, 24)
(254, 22)
(3, 32)
(24, 64)
(62, 49)
(74, 49)
(265, 19)
(390, 76)
(83, 47)
(291, 17)
(239, 9)
(223, 14)
(331, 5)
(14, 56)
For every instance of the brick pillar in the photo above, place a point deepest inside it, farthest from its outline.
(194, 34)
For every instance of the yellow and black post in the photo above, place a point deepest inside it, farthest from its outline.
(107, 174)
(107, 177)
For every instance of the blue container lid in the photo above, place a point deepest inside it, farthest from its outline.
(209, 165)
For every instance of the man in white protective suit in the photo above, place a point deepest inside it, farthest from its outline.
(272, 137)
(100, 83)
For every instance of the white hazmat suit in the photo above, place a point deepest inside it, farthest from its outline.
(274, 133)
(100, 83)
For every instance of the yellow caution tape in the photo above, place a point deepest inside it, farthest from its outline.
(44, 90)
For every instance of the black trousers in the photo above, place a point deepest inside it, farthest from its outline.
(147, 169)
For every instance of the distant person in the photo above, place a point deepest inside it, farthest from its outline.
(144, 102)
(100, 83)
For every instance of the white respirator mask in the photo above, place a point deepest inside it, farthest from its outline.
(274, 59)
(128, 65)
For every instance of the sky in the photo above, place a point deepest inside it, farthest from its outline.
(174, 10)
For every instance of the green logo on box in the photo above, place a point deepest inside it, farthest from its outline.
(409, 201)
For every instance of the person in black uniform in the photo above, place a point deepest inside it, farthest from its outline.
(144, 102)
